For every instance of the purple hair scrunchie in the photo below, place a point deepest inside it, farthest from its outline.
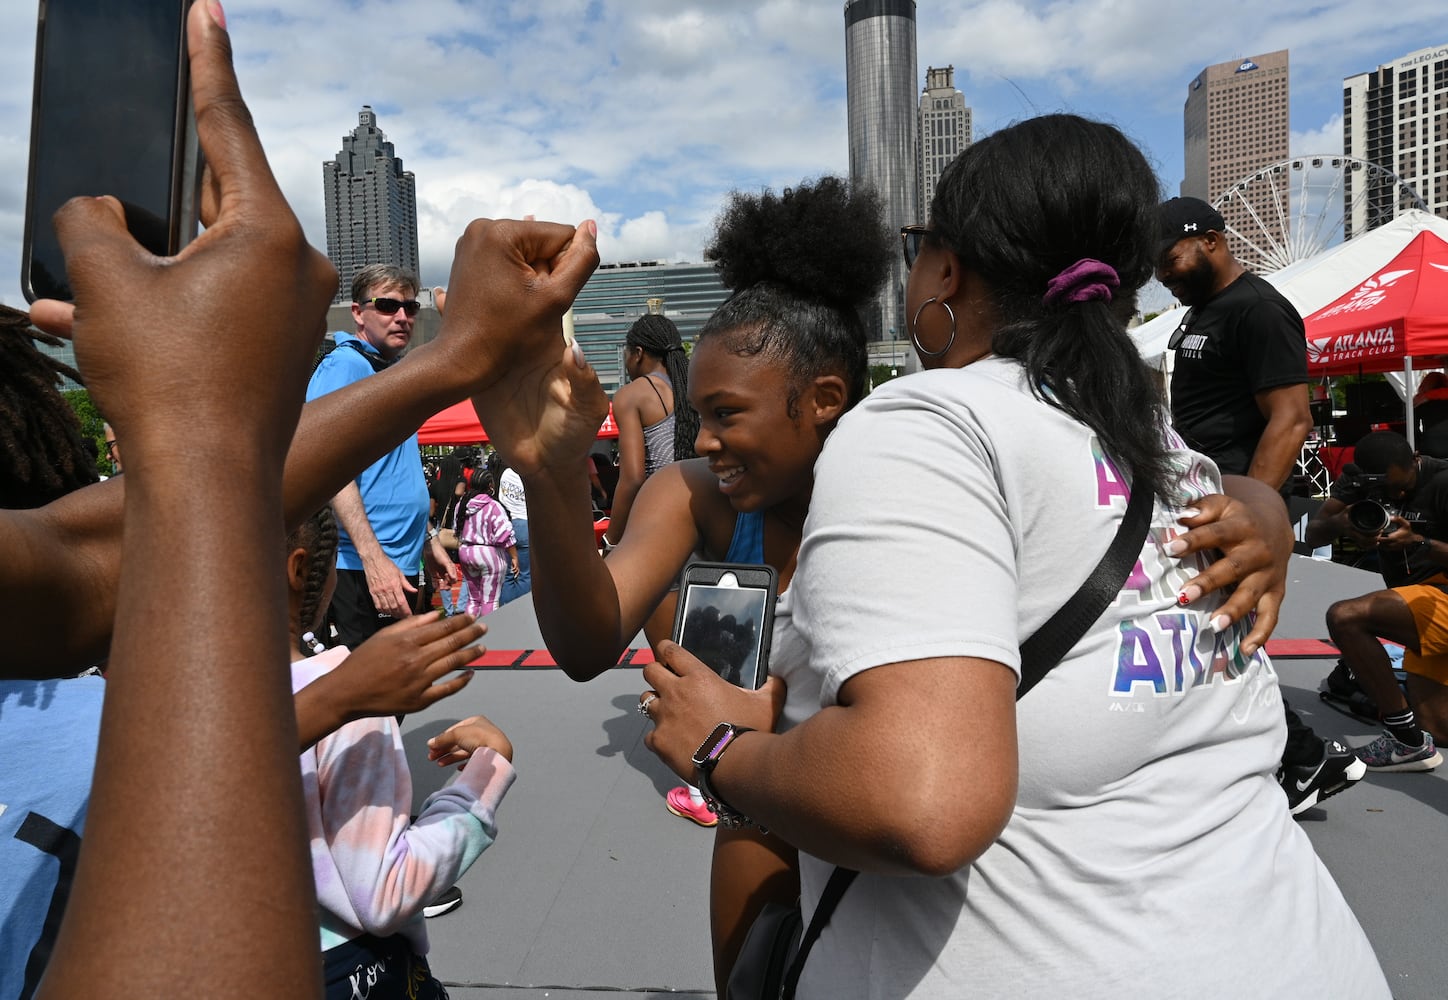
(1084, 281)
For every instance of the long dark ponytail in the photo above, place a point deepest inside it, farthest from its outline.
(318, 536)
(657, 335)
(1028, 203)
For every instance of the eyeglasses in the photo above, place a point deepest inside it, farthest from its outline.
(389, 307)
(111, 445)
(911, 239)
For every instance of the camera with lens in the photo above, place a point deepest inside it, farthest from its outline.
(1373, 517)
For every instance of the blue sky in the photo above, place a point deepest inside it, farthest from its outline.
(644, 114)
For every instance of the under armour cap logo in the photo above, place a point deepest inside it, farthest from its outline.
(1189, 227)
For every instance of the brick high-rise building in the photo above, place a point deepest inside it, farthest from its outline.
(1235, 123)
(944, 131)
(1396, 117)
(371, 205)
(880, 88)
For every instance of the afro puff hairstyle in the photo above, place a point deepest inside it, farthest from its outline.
(802, 265)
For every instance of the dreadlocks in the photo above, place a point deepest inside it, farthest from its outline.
(45, 453)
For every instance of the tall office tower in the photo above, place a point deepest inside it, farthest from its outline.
(944, 132)
(1396, 117)
(1236, 123)
(371, 205)
(880, 84)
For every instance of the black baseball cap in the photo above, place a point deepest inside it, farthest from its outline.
(1181, 217)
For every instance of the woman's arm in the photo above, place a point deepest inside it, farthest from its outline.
(913, 772)
(630, 459)
(1248, 529)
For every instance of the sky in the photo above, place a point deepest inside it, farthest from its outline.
(645, 114)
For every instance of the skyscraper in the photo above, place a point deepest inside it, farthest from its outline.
(944, 131)
(371, 205)
(1396, 117)
(880, 84)
(1235, 123)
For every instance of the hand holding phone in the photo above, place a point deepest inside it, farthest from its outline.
(725, 617)
(110, 116)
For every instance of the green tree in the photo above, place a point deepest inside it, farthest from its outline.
(880, 374)
(92, 425)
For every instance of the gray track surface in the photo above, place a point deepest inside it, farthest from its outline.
(594, 889)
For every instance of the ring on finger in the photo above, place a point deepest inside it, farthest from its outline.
(644, 704)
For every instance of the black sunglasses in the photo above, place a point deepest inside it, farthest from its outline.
(911, 239)
(388, 307)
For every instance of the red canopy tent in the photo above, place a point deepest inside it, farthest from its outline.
(1397, 315)
(458, 424)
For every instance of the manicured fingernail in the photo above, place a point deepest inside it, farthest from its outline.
(578, 358)
(592, 228)
(213, 7)
(1176, 546)
(1220, 623)
(1189, 594)
(1188, 514)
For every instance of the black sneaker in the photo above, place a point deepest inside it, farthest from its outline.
(450, 900)
(1308, 784)
(1340, 690)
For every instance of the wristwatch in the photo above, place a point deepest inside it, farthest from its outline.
(433, 531)
(706, 758)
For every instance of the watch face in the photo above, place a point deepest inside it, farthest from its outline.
(711, 747)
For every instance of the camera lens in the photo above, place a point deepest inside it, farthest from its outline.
(1368, 517)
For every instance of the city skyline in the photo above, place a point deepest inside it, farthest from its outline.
(645, 115)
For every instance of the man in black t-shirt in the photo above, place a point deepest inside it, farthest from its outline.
(1238, 389)
(1239, 396)
(1395, 502)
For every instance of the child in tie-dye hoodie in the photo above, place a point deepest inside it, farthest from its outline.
(375, 869)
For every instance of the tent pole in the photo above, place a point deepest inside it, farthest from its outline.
(1408, 385)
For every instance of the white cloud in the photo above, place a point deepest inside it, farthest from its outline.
(645, 113)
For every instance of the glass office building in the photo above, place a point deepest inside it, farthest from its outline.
(881, 90)
(618, 294)
(371, 205)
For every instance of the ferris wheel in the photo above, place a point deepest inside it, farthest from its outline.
(1294, 208)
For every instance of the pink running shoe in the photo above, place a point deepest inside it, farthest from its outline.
(681, 803)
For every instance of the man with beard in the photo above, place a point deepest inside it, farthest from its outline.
(1238, 390)
(1239, 396)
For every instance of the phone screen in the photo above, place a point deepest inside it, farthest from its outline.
(726, 628)
(108, 114)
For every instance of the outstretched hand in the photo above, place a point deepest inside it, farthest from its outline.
(688, 700)
(400, 669)
(1253, 537)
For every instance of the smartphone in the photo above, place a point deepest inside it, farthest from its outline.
(111, 114)
(725, 617)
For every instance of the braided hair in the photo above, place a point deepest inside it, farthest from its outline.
(46, 454)
(317, 535)
(657, 335)
(803, 265)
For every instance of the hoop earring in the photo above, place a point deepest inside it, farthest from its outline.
(915, 333)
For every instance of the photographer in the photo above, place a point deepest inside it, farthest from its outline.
(1394, 502)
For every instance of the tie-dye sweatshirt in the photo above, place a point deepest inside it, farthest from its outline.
(375, 870)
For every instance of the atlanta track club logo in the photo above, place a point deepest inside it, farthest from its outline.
(1352, 346)
(1369, 295)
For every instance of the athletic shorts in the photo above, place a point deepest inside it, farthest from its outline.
(1428, 603)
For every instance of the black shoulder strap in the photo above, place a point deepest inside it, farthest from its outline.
(840, 880)
(1054, 639)
(1039, 654)
(377, 361)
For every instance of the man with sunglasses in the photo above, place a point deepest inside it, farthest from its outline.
(383, 513)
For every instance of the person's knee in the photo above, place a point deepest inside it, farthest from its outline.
(1353, 614)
